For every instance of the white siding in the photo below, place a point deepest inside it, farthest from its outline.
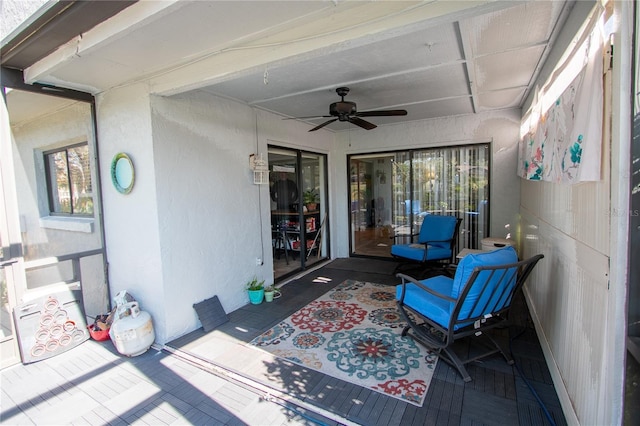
(567, 295)
(577, 294)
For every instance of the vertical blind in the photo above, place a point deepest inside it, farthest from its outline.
(449, 181)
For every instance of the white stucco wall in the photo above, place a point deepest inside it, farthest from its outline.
(501, 128)
(208, 210)
(131, 221)
(14, 13)
(194, 223)
(213, 221)
(64, 127)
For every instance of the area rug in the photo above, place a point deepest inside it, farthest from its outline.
(353, 333)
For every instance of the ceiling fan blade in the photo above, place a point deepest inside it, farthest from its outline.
(362, 123)
(307, 118)
(387, 113)
(322, 125)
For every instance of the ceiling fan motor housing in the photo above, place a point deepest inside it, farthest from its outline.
(344, 108)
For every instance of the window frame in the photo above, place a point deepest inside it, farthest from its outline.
(49, 183)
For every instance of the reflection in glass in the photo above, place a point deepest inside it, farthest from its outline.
(5, 311)
(69, 180)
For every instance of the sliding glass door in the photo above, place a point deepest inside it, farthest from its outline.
(390, 193)
(299, 225)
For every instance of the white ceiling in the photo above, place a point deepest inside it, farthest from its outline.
(432, 58)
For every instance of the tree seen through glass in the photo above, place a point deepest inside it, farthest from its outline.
(69, 181)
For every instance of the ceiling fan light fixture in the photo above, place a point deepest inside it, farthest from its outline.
(342, 108)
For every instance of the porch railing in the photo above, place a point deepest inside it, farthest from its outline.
(47, 262)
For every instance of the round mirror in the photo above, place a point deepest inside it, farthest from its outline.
(122, 173)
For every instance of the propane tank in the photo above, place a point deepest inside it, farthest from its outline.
(132, 330)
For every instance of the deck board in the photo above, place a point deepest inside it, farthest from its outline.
(160, 388)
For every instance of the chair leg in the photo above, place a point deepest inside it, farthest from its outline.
(285, 242)
(449, 356)
(407, 267)
(429, 341)
(398, 267)
(456, 362)
(506, 356)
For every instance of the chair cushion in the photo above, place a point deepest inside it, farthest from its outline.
(437, 228)
(465, 268)
(426, 304)
(414, 253)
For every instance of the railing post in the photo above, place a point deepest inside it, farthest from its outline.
(77, 273)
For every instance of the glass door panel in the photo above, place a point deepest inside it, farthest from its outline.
(10, 269)
(299, 224)
(285, 194)
(455, 182)
(372, 197)
(12, 277)
(391, 193)
(405, 206)
(314, 208)
(42, 251)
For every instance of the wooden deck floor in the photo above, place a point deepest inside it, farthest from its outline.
(215, 378)
(498, 394)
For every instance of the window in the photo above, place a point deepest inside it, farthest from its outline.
(69, 183)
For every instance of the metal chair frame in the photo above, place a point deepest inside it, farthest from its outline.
(440, 339)
(428, 263)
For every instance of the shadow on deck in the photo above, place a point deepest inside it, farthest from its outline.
(498, 394)
(216, 378)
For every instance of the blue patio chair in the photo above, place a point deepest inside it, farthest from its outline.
(412, 207)
(436, 242)
(441, 310)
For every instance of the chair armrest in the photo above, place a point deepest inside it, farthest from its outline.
(427, 243)
(422, 286)
(439, 241)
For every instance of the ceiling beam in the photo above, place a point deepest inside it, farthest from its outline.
(55, 26)
(336, 29)
(469, 63)
(14, 79)
(358, 81)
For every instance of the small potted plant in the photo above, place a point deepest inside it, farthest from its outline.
(255, 289)
(269, 291)
(310, 199)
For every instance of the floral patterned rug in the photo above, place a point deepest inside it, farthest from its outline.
(353, 333)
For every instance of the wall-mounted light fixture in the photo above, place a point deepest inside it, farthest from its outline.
(260, 169)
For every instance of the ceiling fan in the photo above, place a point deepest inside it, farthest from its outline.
(347, 111)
